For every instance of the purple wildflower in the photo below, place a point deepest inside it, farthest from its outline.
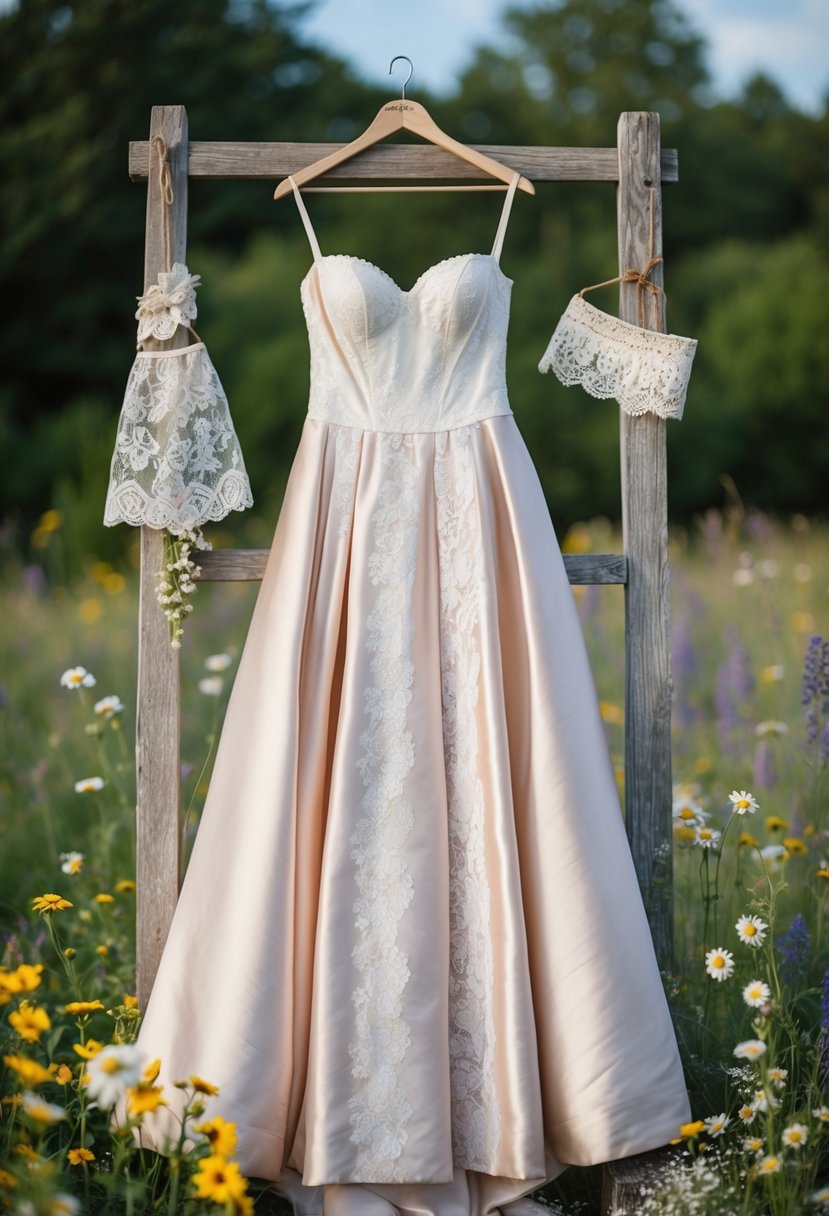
(793, 948)
(733, 688)
(815, 690)
(823, 1039)
(765, 773)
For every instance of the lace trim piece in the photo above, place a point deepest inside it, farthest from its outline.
(381, 1108)
(647, 372)
(168, 303)
(476, 1121)
(177, 462)
(347, 459)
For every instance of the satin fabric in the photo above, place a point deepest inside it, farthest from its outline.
(415, 642)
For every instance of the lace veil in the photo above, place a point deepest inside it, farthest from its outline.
(177, 462)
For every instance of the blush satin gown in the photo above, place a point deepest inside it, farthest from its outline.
(410, 947)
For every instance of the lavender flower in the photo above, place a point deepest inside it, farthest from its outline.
(734, 686)
(793, 948)
(815, 691)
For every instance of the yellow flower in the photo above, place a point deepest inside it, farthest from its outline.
(63, 1075)
(83, 1006)
(130, 1001)
(69, 952)
(77, 1156)
(24, 978)
(221, 1134)
(746, 838)
(50, 903)
(145, 1098)
(30, 1021)
(243, 1205)
(770, 675)
(686, 1130)
(775, 824)
(219, 1179)
(683, 832)
(102, 950)
(823, 870)
(203, 1087)
(769, 1165)
(7, 1180)
(29, 1071)
(611, 713)
(795, 845)
(88, 1049)
(104, 897)
(26, 1150)
(44, 1112)
(125, 886)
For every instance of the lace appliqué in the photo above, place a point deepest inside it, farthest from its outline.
(381, 1108)
(348, 444)
(476, 1122)
(177, 462)
(647, 372)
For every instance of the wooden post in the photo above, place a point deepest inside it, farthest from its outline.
(648, 789)
(157, 716)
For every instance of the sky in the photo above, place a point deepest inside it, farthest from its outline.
(786, 39)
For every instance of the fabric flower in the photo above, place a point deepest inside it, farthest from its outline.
(168, 303)
(719, 963)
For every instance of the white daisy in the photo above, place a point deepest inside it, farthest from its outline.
(750, 1049)
(756, 994)
(751, 930)
(778, 1075)
(78, 677)
(715, 1125)
(719, 963)
(795, 1135)
(114, 1069)
(769, 1164)
(211, 686)
(41, 1110)
(218, 662)
(770, 727)
(72, 862)
(89, 785)
(821, 1113)
(64, 1204)
(707, 837)
(743, 802)
(108, 707)
(821, 1196)
(753, 1144)
(747, 1113)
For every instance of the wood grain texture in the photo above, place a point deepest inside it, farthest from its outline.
(648, 793)
(158, 717)
(248, 565)
(392, 162)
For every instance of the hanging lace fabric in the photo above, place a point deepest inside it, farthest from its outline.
(647, 371)
(177, 462)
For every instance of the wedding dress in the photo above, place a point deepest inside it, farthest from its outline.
(410, 947)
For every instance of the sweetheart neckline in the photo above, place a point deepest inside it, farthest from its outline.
(456, 257)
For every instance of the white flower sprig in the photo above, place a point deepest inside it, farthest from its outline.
(176, 581)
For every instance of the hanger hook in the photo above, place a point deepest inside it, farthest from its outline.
(408, 78)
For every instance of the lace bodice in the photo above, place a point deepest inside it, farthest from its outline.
(428, 359)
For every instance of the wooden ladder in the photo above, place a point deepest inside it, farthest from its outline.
(639, 166)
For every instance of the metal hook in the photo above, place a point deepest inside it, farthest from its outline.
(408, 78)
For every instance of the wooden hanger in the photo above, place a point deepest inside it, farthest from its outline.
(400, 115)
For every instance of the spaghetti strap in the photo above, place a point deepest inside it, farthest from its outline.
(502, 226)
(312, 236)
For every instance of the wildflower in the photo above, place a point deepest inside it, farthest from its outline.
(756, 994)
(30, 1072)
(795, 1135)
(71, 863)
(144, 1098)
(747, 1113)
(750, 1049)
(707, 838)
(775, 824)
(715, 1125)
(78, 1007)
(821, 1113)
(218, 1179)
(770, 728)
(611, 713)
(211, 686)
(104, 897)
(50, 903)
(24, 978)
(102, 950)
(751, 930)
(719, 963)
(77, 1156)
(688, 811)
(63, 1075)
(749, 841)
(89, 785)
(64, 1205)
(753, 1144)
(88, 1049)
(130, 1000)
(203, 1087)
(125, 886)
(820, 1196)
(794, 950)
(743, 802)
(78, 677)
(37, 1108)
(773, 674)
(795, 845)
(30, 1021)
(150, 1073)
(769, 1164)
(823, 869)
(777, 1075)
(108, 707)
(221, 1134)
(218, 662)
(7, 1180)
(111, 1071)
(687, 1130)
